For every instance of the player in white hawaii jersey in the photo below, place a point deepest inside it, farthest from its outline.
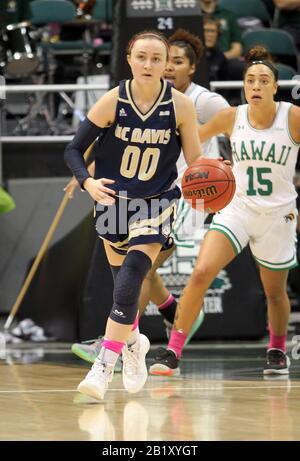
(265, 138)
(265, 158)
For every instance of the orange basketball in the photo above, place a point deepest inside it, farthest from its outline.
(208, 184)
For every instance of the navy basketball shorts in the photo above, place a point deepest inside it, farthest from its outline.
(132, 222)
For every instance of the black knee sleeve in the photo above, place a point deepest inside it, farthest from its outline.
(128, 286)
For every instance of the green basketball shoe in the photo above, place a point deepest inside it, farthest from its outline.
(89, 350)
(198, 322)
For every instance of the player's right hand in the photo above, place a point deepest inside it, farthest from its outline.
(227, 162)
(97, 190)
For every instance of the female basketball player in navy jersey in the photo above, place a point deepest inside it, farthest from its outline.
(265, 138)
(134, 193)
(185, 52)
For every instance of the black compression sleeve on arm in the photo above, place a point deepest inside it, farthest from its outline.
(85, 135)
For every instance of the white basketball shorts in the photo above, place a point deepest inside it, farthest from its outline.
(271, 235)
(188, 225)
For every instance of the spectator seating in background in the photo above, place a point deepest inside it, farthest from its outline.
(103, 10)
(255, 8)
(285, 72)
(60, 12)
(279, 43)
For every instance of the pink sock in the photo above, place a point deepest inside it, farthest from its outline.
(176, 342)
(167, 303)
(136, 324)
(135, 332)
(114, 346)
(277, 342)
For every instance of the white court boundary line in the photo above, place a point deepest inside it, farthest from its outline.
(23, 347)
(18, 360)
(214, 388)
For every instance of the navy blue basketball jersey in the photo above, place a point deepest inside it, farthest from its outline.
(139, 151)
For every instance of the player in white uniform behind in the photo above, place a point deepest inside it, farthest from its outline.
(265, 138)
(185, 52)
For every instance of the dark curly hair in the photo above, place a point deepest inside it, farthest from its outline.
(191, 43)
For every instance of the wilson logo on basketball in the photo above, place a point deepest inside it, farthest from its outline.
(200, 193)
(197, 175)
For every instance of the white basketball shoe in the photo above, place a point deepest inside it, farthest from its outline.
(96, 382)
(134, 365)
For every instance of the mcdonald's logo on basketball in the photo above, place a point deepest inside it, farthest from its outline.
(197, 175)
